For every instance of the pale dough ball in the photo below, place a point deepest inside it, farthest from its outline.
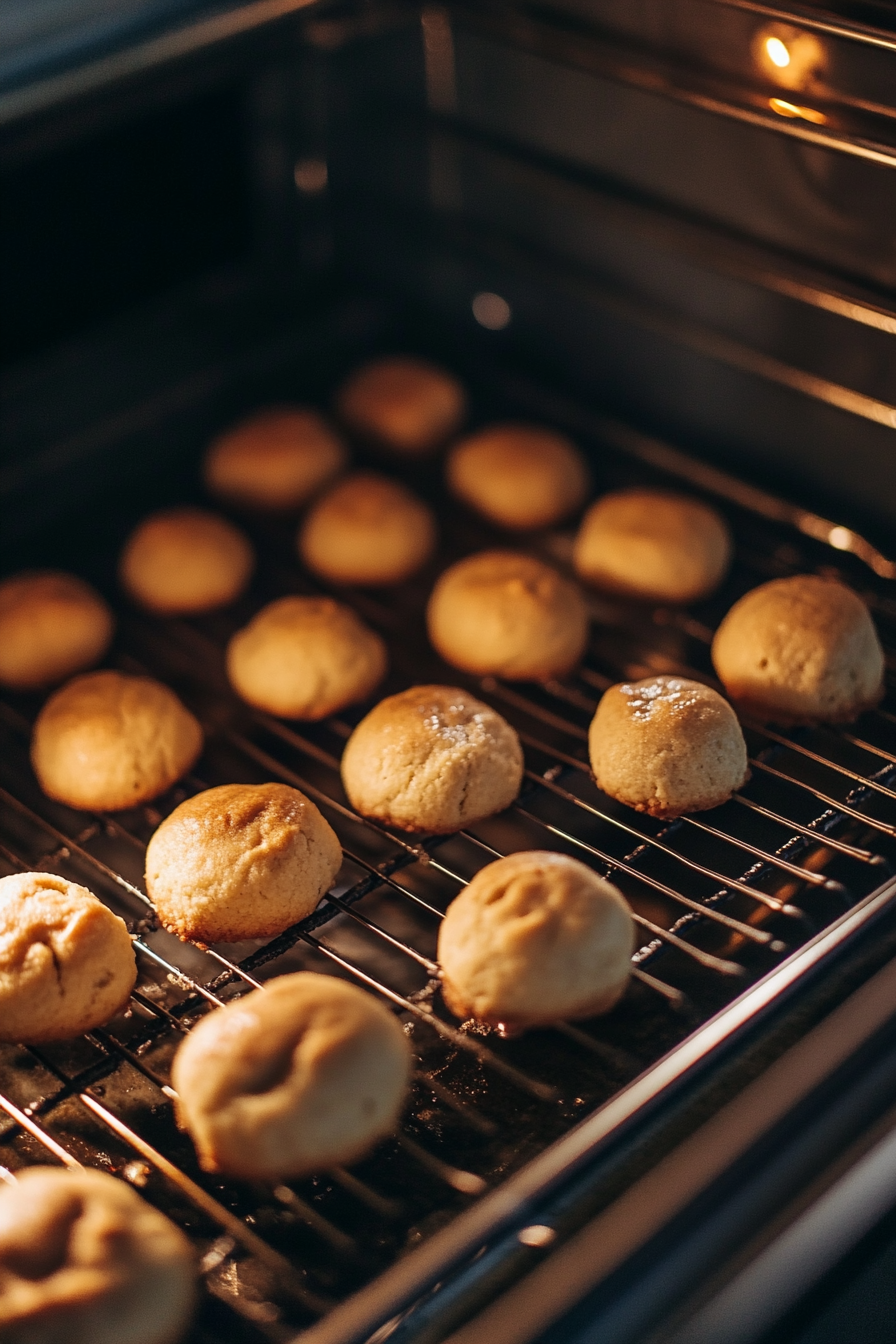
(535, 938)
(240, 861)
(275, 459)
(432, 758)
(85, 1260)
(184, 561)
(51, 625)
(66, 962)
(302, 1075)
(407, 404)
(305, 658)
(367, 530)
(653, 546)
(507, 614)
(519, 476)
(107, 741)
(666, 746)
(800, 650)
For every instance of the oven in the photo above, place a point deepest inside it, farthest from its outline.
(666, 230)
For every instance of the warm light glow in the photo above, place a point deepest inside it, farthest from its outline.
(491, 311)
(777, 52)
(840, 538)
(785, 109)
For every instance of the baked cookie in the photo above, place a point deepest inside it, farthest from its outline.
(51, 625)
(653, 546)
(406, 404)
(534, 938)
(432, 758)
(302, 1075)
(519, 476)
(240, 861)
(276, 458)
(184, 561)
(800, 650)
(106, 741)
(85, 1260)
(305, 658)
(368, 530)
(507, 614)
(666, 746)
(66, 962)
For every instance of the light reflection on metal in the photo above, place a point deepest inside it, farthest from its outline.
(491, 311)
(790, 56)
(785, 109)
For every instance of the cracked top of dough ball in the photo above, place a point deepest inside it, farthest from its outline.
(432, 759)
(184, 561)
(505, 614)
(106, 741)
(653, 546)
(240, 861)
(302, 1075)
(534, 938)
(84, 1259)
(407, 404)
(277, 458)
(305, 658)
(51, 625)
(800, 650)
(519, 476)
(66, 961)
(666, 746)
(368, 530)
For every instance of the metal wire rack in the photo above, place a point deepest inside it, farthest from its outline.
(720, 899)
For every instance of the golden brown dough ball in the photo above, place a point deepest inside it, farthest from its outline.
(800, 650)
(184, 561)
(66, 962)
(302, 1075)
(519, 476)
(368, 530)
(277, 458)
(51, 625)
(407, 404)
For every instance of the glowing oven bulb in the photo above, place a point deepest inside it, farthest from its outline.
(777, 52)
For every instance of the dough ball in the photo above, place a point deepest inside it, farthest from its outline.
(534, 938)
(653, 546)
(302, 1075)
(85, 1260)
(66, 962)
(240, 861)
(519, 476)
(51, 625)
(305, 658)
(666, 746)
(507, 614)
(367, 530)
(432, 759)
(800, 650)
(409, 405)
(275, 459)
(184, 561)
(106, 741)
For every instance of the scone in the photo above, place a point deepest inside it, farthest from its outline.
(432, 759)
(240, 861)
(666, 746)
(51, 626)
(519, 476)
(85, 1260)
(305, 658)
(367, 530)
(302, 1075)
(653, 546)
(408, 405)
(184, 561)
(509, 615)
(275, 459)
(800, 650)
(106, 741)
(66, 962)
(534, 938)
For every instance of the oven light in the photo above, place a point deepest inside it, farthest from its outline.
(785, 109)
(777, 52)
(491, 311)
(840, 538)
